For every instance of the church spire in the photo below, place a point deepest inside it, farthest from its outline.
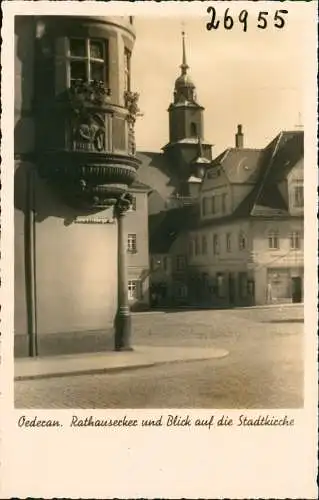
(184, 66)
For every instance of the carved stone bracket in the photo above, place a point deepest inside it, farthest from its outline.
(123, 204)
(131, 104)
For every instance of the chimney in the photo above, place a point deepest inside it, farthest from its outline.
(239, 138)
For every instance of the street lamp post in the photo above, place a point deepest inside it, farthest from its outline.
(123, 323)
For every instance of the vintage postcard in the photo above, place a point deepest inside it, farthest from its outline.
(158, 259)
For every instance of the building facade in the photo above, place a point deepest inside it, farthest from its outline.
(75, 165)
(247, 247)
(226, 231)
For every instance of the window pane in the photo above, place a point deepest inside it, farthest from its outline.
(97, 72)
(77, 47)
(96, 49)
(78, 70)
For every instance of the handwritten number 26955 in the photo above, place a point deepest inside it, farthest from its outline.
(228, 21)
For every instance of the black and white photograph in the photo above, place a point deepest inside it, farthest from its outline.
(171, 242)
(163, 217)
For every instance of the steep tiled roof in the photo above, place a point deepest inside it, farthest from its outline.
(279, 157)
(239, 164)
(265, 168)
(272, 164)
(154, 172)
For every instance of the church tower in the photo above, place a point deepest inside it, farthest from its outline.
(186, 126)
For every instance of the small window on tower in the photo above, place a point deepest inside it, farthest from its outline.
(193, 129)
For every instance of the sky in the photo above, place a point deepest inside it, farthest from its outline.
(253, 78)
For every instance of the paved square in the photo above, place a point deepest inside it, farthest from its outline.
(264, 368)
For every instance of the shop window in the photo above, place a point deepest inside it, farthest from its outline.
(88, 60)
(220, 285)
(182, 291)
(243, 285)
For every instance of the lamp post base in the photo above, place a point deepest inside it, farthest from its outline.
(123, 330)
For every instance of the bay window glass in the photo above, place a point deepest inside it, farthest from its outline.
(88, 60)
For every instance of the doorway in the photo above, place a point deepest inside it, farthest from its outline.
(296, 289)
(231, 289)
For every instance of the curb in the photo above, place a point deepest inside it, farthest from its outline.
(115, 369)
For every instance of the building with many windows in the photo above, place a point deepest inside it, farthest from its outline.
(136, 229)
(226, 231)
(242, 244)
(81, 236)
(247, 246)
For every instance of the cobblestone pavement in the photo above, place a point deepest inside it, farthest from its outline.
(263, 370)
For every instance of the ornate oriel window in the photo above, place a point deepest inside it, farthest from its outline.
(88, 60)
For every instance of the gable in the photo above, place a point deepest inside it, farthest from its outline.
(297, 172)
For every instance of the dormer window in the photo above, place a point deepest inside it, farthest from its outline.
(88, 60)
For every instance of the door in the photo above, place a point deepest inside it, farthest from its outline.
(231, 288)
(296, 293)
